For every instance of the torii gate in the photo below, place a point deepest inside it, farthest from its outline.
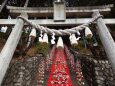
(11, 44)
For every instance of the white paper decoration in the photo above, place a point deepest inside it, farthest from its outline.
(26, 29)
(53, 39)
(4, 29)
(41, 37)
(88, 32)
(41, 34)
(60, 42)
(78, 33)
(45, 38)
(73, 39)
(33, 32)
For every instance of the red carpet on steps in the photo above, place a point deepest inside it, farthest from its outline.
(60, 75)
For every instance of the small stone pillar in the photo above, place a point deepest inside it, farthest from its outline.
(59, 10)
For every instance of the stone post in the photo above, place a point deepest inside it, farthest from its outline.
(106, 39)
(3, 5)
(10, 46)
(59, 11)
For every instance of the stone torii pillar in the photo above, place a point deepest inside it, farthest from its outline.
(3, 5)
(11, 44)
(106, 39)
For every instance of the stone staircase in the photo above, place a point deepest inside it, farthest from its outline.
(26, 72)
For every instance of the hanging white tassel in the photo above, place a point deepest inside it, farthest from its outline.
(41, 37)
(88, 32)
(53, 39)
(26, 29)
(78, 33)
(60, 43)
(4, 29)
(45, 38)
(41, 34)
(53, 36)
(73, 39)
(70, 37)
(33, 32)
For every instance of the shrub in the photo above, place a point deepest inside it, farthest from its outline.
(42, 48)
(81, 48)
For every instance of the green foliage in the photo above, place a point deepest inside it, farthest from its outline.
(81, 48)
(42, 48)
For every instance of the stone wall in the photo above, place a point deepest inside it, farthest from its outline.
(22, 72)
(97, 72)
(29, 71)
